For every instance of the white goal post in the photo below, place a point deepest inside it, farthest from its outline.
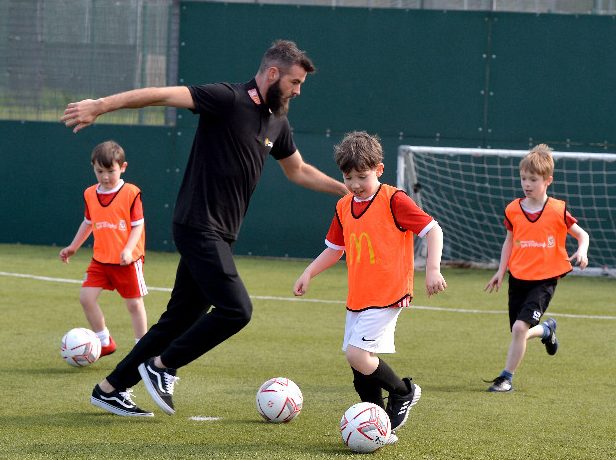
(466, 191)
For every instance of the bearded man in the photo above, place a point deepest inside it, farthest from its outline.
(239, 126)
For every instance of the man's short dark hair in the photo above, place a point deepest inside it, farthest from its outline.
(284, 54)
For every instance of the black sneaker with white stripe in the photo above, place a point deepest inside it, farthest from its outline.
(118, 402)
(159, 383)
(500, 384)
(398, 407)
(550, 342)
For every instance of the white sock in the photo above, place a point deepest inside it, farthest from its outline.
(103, 336)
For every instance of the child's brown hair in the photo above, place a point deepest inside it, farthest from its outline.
(107, 153)
(539, 161)
(359, 151)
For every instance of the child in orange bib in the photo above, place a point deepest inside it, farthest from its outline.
(534, 252)
(374, 225)
(114, 215)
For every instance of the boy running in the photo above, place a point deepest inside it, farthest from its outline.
(534, 251)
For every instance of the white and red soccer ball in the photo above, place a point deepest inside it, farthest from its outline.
(279, 400)
(80, 347)
(365, 427)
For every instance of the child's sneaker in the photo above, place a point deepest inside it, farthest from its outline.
(108, 349)
(159, 383)
(550, 342)
(500, 385)
(393, 439)
(118, 402)
(398, 407)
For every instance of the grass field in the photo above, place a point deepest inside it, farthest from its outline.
(563, 407)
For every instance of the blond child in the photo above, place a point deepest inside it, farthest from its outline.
(374, 225)
(535, 254)
(114, 214)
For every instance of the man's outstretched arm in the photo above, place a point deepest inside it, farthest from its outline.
(84, 113)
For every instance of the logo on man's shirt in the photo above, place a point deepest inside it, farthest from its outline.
(254, 95)
(268, 143)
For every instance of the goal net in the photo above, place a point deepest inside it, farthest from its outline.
(466, 191)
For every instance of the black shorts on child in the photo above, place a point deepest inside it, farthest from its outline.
(529, 300)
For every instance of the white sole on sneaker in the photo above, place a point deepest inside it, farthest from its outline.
(393, 439)
(114, 410)
(152, 391)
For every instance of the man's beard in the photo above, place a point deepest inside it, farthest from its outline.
(275, 101)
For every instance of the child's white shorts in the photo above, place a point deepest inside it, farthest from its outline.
(371, 330)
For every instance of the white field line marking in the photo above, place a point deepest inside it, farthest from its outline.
(300, 299)
(204, 418)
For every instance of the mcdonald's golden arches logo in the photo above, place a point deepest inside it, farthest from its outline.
(356, 242)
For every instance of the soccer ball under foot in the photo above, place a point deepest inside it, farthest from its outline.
(365, 427)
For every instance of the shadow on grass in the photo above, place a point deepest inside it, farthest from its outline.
(71, 419)
(47, 371)
(468, 388)
(36, 429)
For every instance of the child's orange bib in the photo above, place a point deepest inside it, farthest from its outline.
(379, 255)
(539, 250)
(111, 224)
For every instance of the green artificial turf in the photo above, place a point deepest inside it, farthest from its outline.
(563, 406)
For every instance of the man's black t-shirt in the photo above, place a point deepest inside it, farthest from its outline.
(235, 134)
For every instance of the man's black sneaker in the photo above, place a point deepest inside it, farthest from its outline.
(550, 342)
(118, 402)
(159, 383)
(500, 384)
(398, 407)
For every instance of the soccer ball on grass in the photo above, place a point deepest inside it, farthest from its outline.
(279, 400)
(80, 347)
(365, 427)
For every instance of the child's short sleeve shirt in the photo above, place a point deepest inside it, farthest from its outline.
(405, 211)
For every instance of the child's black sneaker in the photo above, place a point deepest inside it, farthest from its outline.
(159, 383)
(550, 342)
(500, 385)
(398, 407)
(118, 402)
(393, 438)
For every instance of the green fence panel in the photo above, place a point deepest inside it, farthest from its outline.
(467, 79)
(387, 71)
(42, 192)
(552, 80)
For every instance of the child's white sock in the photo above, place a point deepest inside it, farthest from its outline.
(103, 336)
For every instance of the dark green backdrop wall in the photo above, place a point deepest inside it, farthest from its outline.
(468, 79)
